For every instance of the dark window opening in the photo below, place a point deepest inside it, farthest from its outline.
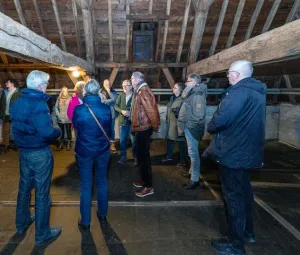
(144, 40)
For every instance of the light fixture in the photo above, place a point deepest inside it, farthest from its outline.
(76, 73)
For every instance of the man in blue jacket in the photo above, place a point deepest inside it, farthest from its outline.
(238, 128)
(33, 132)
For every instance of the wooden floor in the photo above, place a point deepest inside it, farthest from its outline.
(172, 221)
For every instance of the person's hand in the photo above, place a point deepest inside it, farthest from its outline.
(125, 113)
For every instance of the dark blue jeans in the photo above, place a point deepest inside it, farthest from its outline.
(36, 169)
(238, 196)
(143, 155)
(182, 149)
(112, 135)
(124, 133)
(86, 165)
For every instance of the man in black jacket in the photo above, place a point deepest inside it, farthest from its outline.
(238, 128)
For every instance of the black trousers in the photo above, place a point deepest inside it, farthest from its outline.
(142, 140)
(65, 128)
(239, 200)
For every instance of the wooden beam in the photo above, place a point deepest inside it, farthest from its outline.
(169, 77)
(111, 51)
(235, 23)
(218, 29)
(75, 16)
(156, 17)
(150, 6)
(89, 35)
(113, 75)
(23, 43)
(289, 85)
(293, 11)
(60, 31)
(254, 18)
(38, 14)
(271, 16)
(1, 7)
(282, 43)
(199, 26)
(128, 34)
(277, 86)
(31, 66)
(163, 47)
(183, 29)
(5, 61)
(158, 41)
(20, 12)
(138, 65)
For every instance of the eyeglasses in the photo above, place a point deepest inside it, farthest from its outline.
(126, 86)
(131, 78)
(228, 72)
(189, 80)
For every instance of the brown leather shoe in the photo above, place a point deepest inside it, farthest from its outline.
(113, 147)
(144, 192)
(138, 184)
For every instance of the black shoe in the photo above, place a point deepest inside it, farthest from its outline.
(181, 164)
(166, 159)
(186, 174)
(249, 237)
(225, 247)
(102, 219)
(31, 220)
(53, 234)
(191, 185)
(84, 228)
(60, 146)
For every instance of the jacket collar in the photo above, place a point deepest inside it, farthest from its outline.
(91, 98)
(35, 93)
(140, 85)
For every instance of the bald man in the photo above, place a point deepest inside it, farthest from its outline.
(238, 129)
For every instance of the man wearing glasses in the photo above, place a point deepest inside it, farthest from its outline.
(238, 128)
(191, 124)
(144, 120)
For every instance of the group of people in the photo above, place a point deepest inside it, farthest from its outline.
(237, 129)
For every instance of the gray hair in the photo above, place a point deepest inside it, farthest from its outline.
(244, 67)
(138, 75)
(181, 86)
(195, 77)
(92, 87)
(36, 78)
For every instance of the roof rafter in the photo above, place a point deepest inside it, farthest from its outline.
(20, 12)
(38, 14)
(60, 31)
(163, 48)
(253, 19)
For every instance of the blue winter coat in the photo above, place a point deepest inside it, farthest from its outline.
(91, 141)
(238, 126)
(31, 121)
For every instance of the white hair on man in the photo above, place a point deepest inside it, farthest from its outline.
(92, 87)
(138, 75)
(37, 78)
(243, 67)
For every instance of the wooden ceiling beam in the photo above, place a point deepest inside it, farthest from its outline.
(152, 17)
(150, 6)
(271, 16)
(139, 65)
(111, 50)
(183, 29)
(158, 41)
(128, 31)
(60, 31)
(292, 14)
(282, 43)
(89, 35)
(235, 23)
(163, 47)
(21, 42)
(20, 12)
(202, 8)
(113, 75)
(5, 61)
(78, 38)
(169, 77)
(253, 19)
(218, 29)
(38, 14)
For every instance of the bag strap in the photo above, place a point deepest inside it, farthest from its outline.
(97, 121)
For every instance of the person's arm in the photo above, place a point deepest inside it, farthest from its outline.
(42, 122)
(110, 101)
(182, 119)
(229, 109)
(56, 107)
(118, 104)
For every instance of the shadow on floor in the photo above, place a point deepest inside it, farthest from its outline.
(12, 244)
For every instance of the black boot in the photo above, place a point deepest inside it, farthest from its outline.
(68, 146)
(60, 146)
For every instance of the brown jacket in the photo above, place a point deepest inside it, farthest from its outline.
(145, 112)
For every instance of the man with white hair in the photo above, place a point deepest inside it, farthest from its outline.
(238, 129)
(33, 132)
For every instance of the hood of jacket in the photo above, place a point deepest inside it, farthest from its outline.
(36, 94)
(202, 87)
(251, 83)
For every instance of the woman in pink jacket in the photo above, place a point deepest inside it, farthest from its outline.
(76, 99)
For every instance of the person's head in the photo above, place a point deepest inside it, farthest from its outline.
(178, 88)
(127, 88)
(92, 87)
(11, 84)
(78, 89)
(37, 80)
(107, 85)
(193, 80)
(136, 77)
(64, 92)
(239, 70)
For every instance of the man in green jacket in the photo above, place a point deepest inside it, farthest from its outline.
(122, 106)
